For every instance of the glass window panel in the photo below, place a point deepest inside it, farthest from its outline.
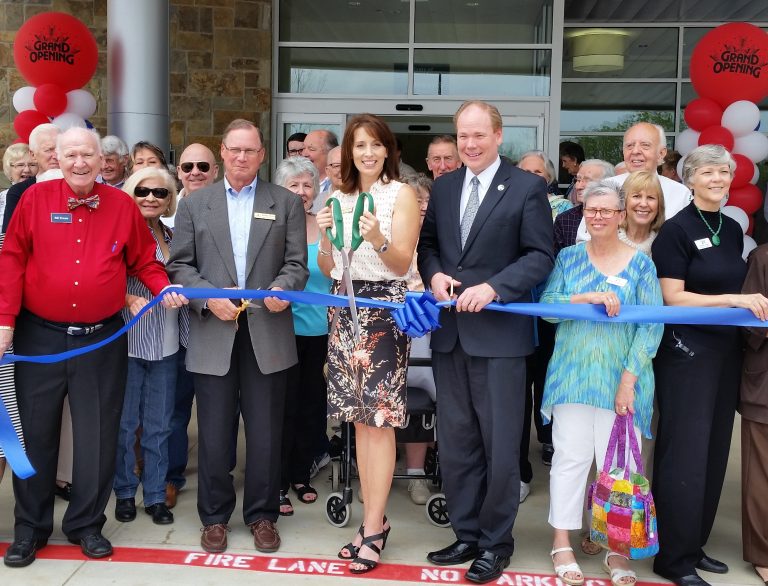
(613, 107)
(441, 72)
(620, 53)
(342, 21)
(607, 148)
(517, 140)
(343, 71)
(691, 36)
(489, 21)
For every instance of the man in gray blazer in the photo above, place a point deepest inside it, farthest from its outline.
(248, 234)
(487, 236)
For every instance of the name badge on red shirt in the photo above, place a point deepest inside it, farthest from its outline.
(61, 218)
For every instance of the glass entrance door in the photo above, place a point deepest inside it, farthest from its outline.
(413, 123)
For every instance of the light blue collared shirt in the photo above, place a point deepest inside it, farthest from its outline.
(240, 209)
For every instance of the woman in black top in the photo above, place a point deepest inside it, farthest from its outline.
(698, 260)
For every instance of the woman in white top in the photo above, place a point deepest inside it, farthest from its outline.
(367, 379)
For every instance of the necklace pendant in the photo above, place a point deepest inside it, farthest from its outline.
(716, 240)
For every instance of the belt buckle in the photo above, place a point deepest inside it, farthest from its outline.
(74, 331)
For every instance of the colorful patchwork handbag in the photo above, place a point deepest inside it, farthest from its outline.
(623, 513)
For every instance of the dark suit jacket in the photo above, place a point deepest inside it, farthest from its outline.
(201, 256)
(12, 199)
(509, 247)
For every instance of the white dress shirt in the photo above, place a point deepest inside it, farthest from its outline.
(484, 177)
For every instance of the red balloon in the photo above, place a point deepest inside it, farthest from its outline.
(728, 64)
(745, 169)
(50, 99)
(702, 113)
(749, 198)
(26, 121)
(717, 135)
(54, 47)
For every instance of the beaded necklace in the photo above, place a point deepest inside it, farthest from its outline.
(715, 237)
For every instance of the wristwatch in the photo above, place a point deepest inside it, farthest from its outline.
(383, 248)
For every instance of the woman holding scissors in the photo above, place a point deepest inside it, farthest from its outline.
(366, 372)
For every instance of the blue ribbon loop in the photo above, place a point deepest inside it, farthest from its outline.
(419, 315)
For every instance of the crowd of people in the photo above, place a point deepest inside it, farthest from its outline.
(106, 229)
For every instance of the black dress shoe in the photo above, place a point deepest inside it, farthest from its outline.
(64, 492)
(709, 564)
(691, 580)
(94, 545)
(161, 515)
(125, 510)
(487, 567)
(456, 553)
(22, 552)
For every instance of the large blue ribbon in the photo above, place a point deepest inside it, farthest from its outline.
(416, 317)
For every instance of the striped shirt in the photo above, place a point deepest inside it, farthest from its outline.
(8, 390)
(145, 339)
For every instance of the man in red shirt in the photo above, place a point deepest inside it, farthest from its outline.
(63, 293)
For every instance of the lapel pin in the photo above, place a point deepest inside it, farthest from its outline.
(500, 187)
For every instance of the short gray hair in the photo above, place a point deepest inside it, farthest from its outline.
(78, 130)
(549, 168)
(597, 188)
(703, 156)
(295, 167)
(39, 131)
(608, 169)
(114, 145)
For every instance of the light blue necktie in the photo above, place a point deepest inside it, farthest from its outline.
(470, 211)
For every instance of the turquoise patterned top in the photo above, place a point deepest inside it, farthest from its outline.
(589, 357)
(558, 204)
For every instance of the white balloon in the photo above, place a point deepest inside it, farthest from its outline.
(680, 165)
(23, 98)
(756, 176)
(754, 146)
(749, 246)
(686, 141)
(739, 215)
(68, 120)
(741, 117)
(81, 102)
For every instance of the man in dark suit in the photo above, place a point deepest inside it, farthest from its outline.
(242, 233)
(487, 236)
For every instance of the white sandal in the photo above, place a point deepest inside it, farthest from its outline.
(618, 575)
(563, 569)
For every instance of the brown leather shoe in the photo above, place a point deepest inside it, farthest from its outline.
(171, 495)
(265, 535)
(214, 538)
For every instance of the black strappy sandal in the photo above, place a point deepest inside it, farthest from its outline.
(285, 502)
(370, 543)
(302, 490)
(351, 548)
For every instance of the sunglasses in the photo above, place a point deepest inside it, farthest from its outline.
(202, 165)
(158, 192)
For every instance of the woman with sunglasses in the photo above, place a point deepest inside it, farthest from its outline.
(598, 369)
(153, 346)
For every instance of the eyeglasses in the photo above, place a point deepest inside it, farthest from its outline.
(334, 165)
(295, 152)
(237, 151)
(606, 213)
(158, 192)
(202, 165)
(22, 165)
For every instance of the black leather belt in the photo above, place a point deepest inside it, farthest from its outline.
(72, 329)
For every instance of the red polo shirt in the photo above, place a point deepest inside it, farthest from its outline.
(71, 266)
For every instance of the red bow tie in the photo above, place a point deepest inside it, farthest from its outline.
(91, 202)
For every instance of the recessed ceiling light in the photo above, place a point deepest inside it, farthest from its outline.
(354, 3)
(473, 4)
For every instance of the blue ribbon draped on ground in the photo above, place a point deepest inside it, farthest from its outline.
(419, 315)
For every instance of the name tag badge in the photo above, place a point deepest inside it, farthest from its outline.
(618, 281)
(703, 243)
(61, 218)
(260, 216)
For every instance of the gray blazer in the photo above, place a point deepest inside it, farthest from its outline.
(201, 256)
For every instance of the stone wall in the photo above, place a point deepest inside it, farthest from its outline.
(221, 58)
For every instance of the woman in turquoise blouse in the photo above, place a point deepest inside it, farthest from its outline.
(304, 424)
(598, 369)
